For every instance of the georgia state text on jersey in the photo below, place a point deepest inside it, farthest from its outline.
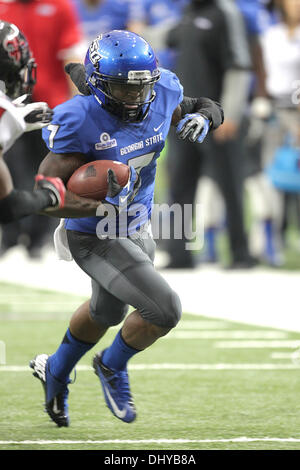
(82, 125)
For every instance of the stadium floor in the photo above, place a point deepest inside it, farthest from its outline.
(260, 296)
(227, 378)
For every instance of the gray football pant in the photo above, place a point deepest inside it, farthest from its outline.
(123, 274)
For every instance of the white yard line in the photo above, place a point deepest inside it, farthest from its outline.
(258, 296)
(281, 355)
(290, 344)
(170, 366)
(154, 441)
(230, 334)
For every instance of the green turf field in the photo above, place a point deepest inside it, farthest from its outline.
(210, 384)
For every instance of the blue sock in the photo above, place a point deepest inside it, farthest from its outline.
(63, 361)
(269, 234)
(210, 242)
(116, 356)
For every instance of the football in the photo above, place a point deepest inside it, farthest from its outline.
(90, 180)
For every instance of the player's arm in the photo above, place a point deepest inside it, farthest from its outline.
(195, 117)
(6, 184)
(64, 165)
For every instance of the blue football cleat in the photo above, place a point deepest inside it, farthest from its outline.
(56, 392)
(116, 390)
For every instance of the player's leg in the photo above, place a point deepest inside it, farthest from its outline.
(123, 268)
(82, 335)
(84, 332)
(82, 324)
(229, 174)
(123, 274)
(184, 168)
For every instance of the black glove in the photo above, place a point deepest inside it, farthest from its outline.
(77, 75)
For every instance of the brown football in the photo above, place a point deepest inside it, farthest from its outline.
(90, 180)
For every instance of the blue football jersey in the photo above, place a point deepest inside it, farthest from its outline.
(82, 125)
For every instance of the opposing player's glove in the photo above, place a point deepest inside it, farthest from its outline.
(77, 75)
(194, 126)
(35, 115)
(120, 196)
(55, 188)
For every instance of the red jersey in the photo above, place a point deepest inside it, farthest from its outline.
(51, 27)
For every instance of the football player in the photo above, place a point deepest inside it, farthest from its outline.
(125, 116)
(17, 77)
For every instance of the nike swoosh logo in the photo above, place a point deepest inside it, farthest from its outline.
(157, 128)
(119, 413)
(123, 199)
(55, 409)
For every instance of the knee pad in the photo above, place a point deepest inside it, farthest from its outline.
(166, 313)
(172, 312)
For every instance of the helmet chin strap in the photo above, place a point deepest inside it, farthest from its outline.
(126, 115)
(118, 108)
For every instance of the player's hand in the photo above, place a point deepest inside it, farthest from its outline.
(35, 115)
(121, 196)
(261, 111)
(77, 75)
(55, 188)
(226, 132)
(194, 126)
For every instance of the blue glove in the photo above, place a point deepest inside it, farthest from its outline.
(194, 126)
(120, 196)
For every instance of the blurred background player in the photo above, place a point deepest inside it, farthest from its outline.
(159, 16)
(99, 16)
(258, 17)
(276, 122)
(136, 102)
(53, 31)
(17, 76)
(212, 56)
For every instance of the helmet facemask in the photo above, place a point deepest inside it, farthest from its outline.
(128, 99)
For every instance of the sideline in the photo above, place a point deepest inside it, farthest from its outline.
(259, 296)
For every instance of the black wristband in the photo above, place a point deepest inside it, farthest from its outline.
(210, 109)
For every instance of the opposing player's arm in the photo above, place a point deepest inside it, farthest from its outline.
(6, 184)
(18, 203)
(63, 166)
(195, 117)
